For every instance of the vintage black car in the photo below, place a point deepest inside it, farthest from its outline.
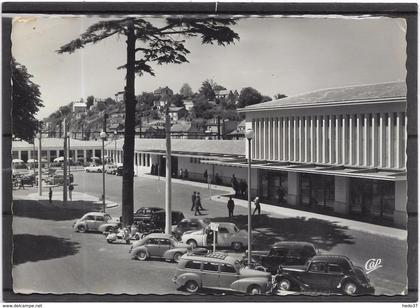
(144, 214)
(157, 218)
(189, 224)
(326, 274)
(284, 253)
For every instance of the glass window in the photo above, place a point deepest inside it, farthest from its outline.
(279, 252)
(317, 267)
(209, 266)
(107, 217)
(334, 268)
(152, 241)
(99, 218)
(193, 265)
(223, 230)
(165, 241)
(90, 217)
(227, 268)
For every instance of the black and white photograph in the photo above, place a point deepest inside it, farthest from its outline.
(216, 154)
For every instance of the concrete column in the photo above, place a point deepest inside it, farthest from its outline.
(400, 209)
(312, 154)
(19, 154)
(351, 139)
(295, 139)
(306, 127)
(345, 140)
(258, 139)
(318, 140)
(359, 140)
(269, 139)
(382, 140)
(84, 156)
(57, 153)
(279, 139)
(337, 139)
(324, 139)
(301, 140)
(253, 139)
(398, 141)
(341, 194)
(289, 139)
(283, 134)
(265, 124)
(261, 138)
(331, 139)
(293, 188)
(48, 156)
(390, 139)
(366, 148)
(374, 143)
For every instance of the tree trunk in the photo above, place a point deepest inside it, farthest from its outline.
(129, 133)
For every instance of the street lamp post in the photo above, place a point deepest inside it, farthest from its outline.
(249, 135)
(69, 152)
(115, 146)
(103, 137)
(39, 164)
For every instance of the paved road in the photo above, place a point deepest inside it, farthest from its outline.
(50, 255)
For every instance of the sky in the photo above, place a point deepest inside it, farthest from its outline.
(292, 55)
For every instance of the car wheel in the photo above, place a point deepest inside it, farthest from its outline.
(177, 257)
(192, 243)
(81, 229)
(349, 288)
(191, 286)
(109, 241)
(236, 246)
(254, 290)
(142, 255)
(284, 284)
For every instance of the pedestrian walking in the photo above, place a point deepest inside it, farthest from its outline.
(197, 205)
(181, 174)
(257, 206)
(50, 192)
(199, 201)
(71, 188)
(205, 176)
(193, 197)
(234, 183)
(230, 206)
(21, 185)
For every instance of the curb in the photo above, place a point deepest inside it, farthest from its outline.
(342, 222)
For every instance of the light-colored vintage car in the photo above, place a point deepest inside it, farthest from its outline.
(228, 235)
(93, 168)
(93, 221)
(158, 245)
(219, 271)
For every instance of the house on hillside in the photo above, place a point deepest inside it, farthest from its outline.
(236, 134)
(188, 103)
(119, 96)
(176, 113)
(79, 107)
(181, 130)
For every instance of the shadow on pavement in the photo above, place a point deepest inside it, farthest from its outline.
(32, 248)
(54, 211)
(268, 230)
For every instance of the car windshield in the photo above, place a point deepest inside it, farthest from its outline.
(235, 228)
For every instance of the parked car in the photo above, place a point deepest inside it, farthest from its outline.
(228, 235)
(58, 179)
(219, 271)
(145, 213)
(283, 253)
(119, 170)
(110, 169)
(158, 245)
(157, 218)
(189, 224)
(92, 221)
(93, 168)
(325, 273)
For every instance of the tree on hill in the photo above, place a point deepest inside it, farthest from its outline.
(250, 96)
(26, 101)
(207, 89)
(158, 44)
(186, 91)
(176, 100)
(90, 100)
(202, 108)
(279, 96)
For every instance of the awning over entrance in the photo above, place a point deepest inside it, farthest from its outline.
(339, 170)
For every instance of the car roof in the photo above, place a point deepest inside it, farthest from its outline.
(96, 213)
(151, 208)
(159, 235)
(292, 244)
(211, 257)
(332, 258)
(164, 211)
(230, 224)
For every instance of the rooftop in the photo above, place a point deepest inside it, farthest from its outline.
(343, 95)
(55, 143)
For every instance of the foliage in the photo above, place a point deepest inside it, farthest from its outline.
(250, 96)
(279, 96)
(186, 91)
(202, 108)
(207, 89)
(26, 101)
(90, 101)
(176, 100)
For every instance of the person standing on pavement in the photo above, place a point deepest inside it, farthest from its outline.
(71, 188)
(194, 196)
(230, 206)
(197, 205)
(199, 200)
(50, 192)
(257, 206)
(234, 183)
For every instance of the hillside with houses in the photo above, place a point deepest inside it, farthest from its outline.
(209, 113)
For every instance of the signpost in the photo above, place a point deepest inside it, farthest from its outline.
(215, 228)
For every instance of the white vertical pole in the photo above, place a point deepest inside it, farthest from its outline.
(374, 144)
(324, 139)
(358, 139)
(382, 140)
(318, 140)
(337, 139)
(289, 141)
(366, 148)
(398, 141)
(331, 140)
(390, 138)
(344, 140)
(351, 139)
